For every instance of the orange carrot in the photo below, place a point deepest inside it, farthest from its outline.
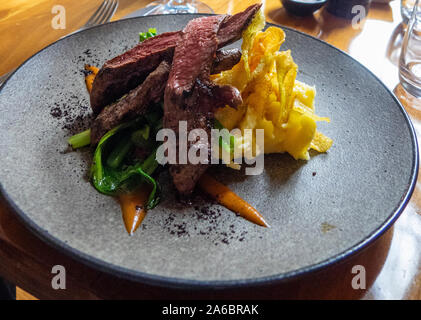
(133, 208)
(89, 78)
(230, 200)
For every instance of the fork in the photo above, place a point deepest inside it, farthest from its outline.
(102, 15)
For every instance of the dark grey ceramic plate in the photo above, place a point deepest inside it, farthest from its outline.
(320, 211)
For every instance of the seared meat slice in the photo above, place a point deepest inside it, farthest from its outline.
(193, 55)
(198, 112)
(125, 72)
(129, 106)
(225, 60)
(191, 97)
(133, 104)
(232, 28)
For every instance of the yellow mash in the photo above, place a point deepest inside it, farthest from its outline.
(273, 99)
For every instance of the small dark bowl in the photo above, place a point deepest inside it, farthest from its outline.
(302, 7)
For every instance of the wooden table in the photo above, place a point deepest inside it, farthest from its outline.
(393, 262)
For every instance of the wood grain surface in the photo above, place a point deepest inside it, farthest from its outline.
(392, 262)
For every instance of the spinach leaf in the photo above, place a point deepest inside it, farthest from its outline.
(111, 180)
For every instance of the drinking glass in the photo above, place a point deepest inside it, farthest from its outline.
(177, 6)
(410, 59)
(406, 10)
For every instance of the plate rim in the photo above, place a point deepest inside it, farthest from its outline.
(181, 283)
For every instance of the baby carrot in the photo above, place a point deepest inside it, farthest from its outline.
(89, 78)
(133, 208)
(230, 200)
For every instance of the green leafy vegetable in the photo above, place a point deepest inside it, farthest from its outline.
(81, 139)
(145, 35)
(115, 168)
(113, 177)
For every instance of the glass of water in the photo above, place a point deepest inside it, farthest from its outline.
(406, 10)
(410, 59)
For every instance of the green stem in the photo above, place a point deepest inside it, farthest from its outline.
(150, 163)
(148, 167)
(119, 152)
(81, 139)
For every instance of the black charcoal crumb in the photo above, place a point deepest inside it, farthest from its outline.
(56, 112)
(209, 222)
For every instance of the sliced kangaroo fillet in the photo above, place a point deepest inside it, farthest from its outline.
(136, 102)
(232, 28)
(191, 97)
(133, 104)
(126, 71)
